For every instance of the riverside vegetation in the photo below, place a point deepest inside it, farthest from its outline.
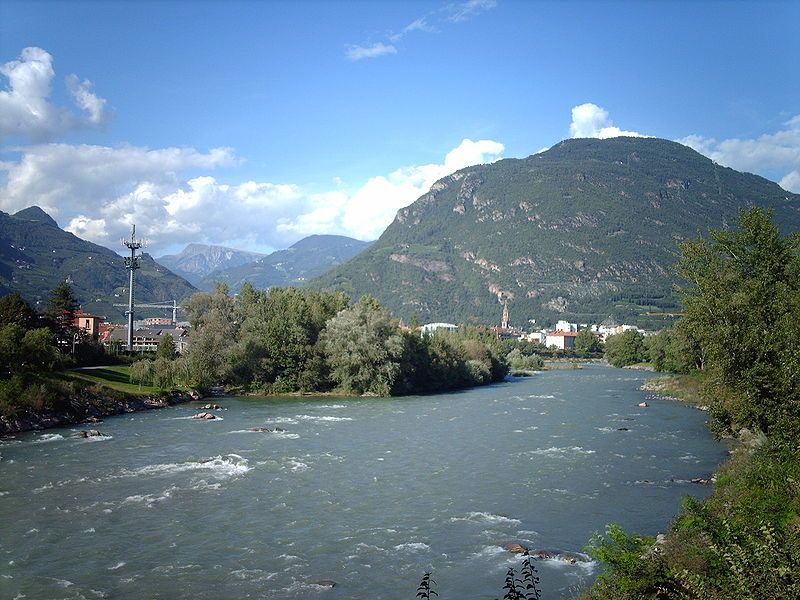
(738, 341)
(286, 340)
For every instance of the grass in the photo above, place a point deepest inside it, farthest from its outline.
(115, 377)
(685, 388)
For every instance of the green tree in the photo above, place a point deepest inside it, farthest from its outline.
(586, 342)
(674, 351)
(141, 372)
(743, 306)
(214, 329)
(166, 348)
(60, 310)
(364, 348)
(14, 309)
(625, 348)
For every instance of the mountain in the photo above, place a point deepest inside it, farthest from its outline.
(35, 255)
(306, 259)
(585, 230)
(197, 261)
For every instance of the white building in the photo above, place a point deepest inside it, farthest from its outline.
(562, 340)
(431, 327)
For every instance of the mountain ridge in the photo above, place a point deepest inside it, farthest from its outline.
(302, 261)
(197, 261)
(36, 255)
(585, 230)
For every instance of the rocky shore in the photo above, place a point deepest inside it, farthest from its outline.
(89, 407)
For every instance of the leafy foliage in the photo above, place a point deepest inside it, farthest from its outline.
(626, 348)
(743, 305)
(741, 326)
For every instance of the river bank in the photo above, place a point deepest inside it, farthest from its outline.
(89, 405)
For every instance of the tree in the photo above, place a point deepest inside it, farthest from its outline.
(14, 309)
(60, 310)
(673, 350)
(742, 298)
(166, 348)
(364, 348)
(625, 348)
(586, 342)
(141, 372)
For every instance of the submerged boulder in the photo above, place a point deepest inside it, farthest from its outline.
(204, 415)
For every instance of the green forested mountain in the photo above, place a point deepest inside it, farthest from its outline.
(36, 255)
(306, 259)
(584, 230)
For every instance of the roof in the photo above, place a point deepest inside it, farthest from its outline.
(562, 334)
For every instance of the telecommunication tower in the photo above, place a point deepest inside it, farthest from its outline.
(131, 263)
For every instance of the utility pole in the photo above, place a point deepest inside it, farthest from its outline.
(131, 263)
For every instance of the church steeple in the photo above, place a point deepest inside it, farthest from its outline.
(504, 322)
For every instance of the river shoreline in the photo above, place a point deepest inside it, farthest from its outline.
(88, 408)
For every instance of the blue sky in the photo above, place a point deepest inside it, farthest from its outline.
(253, 124)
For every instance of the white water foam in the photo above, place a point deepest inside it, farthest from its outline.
(48, 437)
(119, 565)
(322, 418)
(229, 465)
(484, 517)
(296, 465)
(281, 435)
(542, 396)
(283, 420)
(412, 547)
(560, 451)
(253, 575)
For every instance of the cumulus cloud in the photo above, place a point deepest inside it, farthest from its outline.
(371, 51)
(779, 151)
(592, 121)
(99, 192)
(791, 182)
(25, 108)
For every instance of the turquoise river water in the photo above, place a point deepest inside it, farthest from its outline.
(367, 492)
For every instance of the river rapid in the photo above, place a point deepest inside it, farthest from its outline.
(367, 492)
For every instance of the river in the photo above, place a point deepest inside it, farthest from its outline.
(367, 492)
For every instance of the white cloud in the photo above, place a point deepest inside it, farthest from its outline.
(592, 121)
(779, 151)
(94, 106)
(25, 109)
(791, 182)
(462, 11)
(99, 192)
(429, 23)
(366, 212)
(373, 51)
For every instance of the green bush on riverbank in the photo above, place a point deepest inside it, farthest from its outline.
(740, 333)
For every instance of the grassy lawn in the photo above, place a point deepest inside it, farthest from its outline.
(115, 377)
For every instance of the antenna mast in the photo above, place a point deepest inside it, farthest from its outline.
(131, 263)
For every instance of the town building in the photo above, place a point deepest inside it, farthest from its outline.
(431, 327)
(146, 339)
(562, 340)
(89, 324)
